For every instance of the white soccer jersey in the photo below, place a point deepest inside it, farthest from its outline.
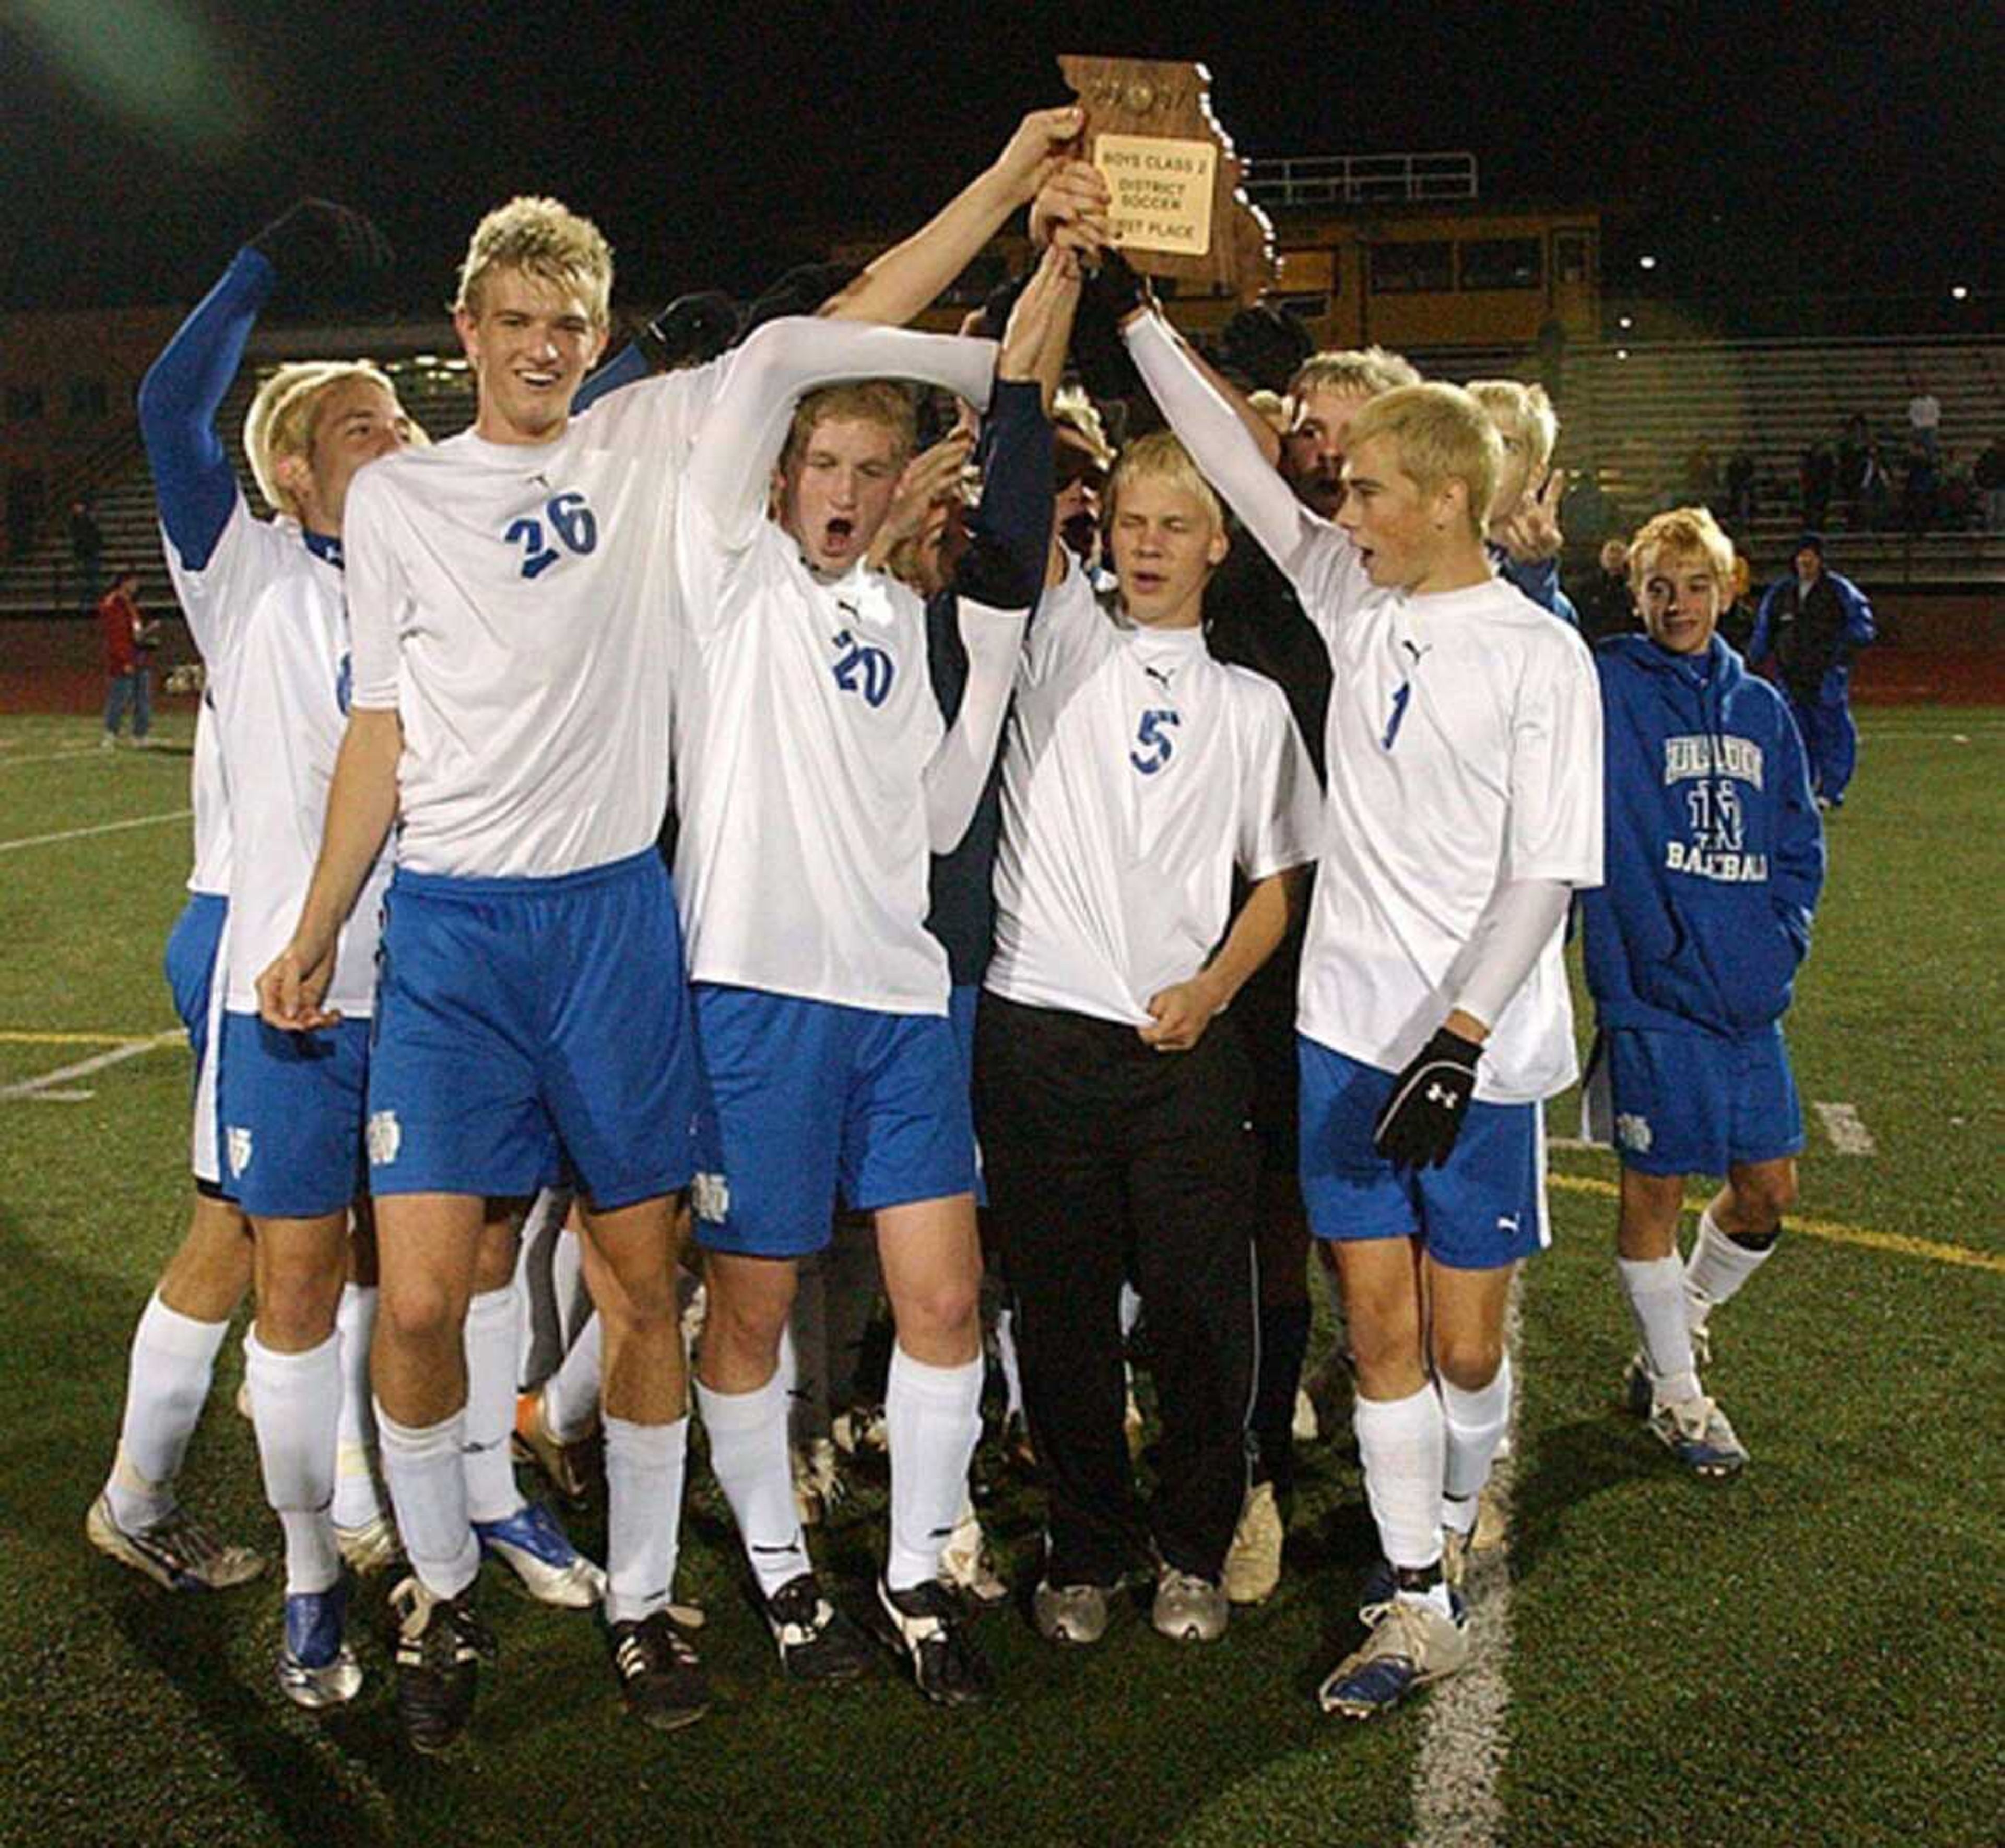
(1464, 750)
(1137, 772)
(805, 717)
(267, 613)
(209, 796)
(511, 601)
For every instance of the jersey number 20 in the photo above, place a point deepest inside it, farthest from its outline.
(572, 521)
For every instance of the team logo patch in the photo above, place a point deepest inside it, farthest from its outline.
(385, 1136)
(238, 1144)
(1633, 1132)
(710, 1198)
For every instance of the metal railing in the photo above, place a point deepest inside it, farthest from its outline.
(1360, 179)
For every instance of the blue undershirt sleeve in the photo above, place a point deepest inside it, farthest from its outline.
(179, 398)
(629, 366)
(1017, 487)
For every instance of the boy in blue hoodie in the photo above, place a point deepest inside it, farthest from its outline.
(1715, 857)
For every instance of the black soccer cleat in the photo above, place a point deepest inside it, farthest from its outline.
(816, 1642)
(441, 1643)
(659, 1672)
(931, 1627)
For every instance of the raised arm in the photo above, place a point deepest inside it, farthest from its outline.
(742, 434)
(1016, 451)
(910, 276)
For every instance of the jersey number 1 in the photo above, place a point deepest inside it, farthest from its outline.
(571, 519)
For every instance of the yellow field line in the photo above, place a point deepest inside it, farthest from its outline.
(72, 1039)
(1838, 1233)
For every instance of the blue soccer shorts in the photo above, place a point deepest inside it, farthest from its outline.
(533, 1031)
(292, 1116)
(194, 957)
(804, 1097)
(1483, 1208)
(1695, 1103)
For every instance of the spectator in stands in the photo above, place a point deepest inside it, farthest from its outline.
(1740, 475)
(1921, 490)
(1701, 473)
(1925, 420)
(1816, 474)
(1811, 623)
(1989, 475)
(86, 553)
(1874, 501)
(127, 640)
(1606, 605)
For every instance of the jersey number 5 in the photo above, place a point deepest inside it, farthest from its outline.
(1155, 739)
(572, 521)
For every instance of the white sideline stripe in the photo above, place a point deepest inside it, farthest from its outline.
(1458, 1778)
(54, 756)
(59, 1097)
(1846, 1129)
(102, 828)
(29, 1087)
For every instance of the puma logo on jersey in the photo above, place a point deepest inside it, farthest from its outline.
(385, 1137)
(710, 1198)
(1633, 1132)
(236, 1144)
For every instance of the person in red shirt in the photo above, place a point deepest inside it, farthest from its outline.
(128, 659)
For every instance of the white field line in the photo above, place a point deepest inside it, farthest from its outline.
(29, 1087)
(102, 828)
(59, 1097)
(1458, 1778)
(54, 756)
(1846, 1129)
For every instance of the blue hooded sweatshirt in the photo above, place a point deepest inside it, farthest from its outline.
(1715, 854)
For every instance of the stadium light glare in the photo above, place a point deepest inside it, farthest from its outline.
(1622, 353)
(1626, 321)
(1646, 262)
(1959, 293)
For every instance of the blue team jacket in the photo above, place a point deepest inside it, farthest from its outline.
(1714, 851)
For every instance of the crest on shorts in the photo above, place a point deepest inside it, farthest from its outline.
(385, 1136)
(238, 1144)
(710, 1198)
(1633, 1132)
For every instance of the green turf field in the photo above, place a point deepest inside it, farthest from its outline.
(1810, 1655)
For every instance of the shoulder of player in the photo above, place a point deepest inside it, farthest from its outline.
(1248, 687)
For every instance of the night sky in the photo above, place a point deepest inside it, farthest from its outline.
(1806, 148)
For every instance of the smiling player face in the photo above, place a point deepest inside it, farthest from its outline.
(1680, 599)
(835, 491)
(530, 342)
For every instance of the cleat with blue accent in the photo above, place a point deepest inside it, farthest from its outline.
(1696, 1432)
(177, 1551)
(535, 1547)
(316, 1668)
(1412, 1643)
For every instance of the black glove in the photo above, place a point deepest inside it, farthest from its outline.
(1114, 288)
(316, 238)
(992, 573)
(691, 329)
(1421, 1120)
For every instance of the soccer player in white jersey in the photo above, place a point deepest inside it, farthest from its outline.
(138, 1519)
(1463, 808)
(511, 601)
(1138, 773)
(811, 741)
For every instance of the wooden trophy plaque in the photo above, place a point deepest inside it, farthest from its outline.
(1178, 208)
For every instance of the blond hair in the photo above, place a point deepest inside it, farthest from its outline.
(879, 401)
(285, 412)
(1441, 434)
(1271, 408)
(1073, 410)
(1160, 457)
(1684, 533)
(1359, 372)
(1523, 414)
(543, 238)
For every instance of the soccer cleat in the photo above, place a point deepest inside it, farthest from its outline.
(1072, 1613)
(1456, 1548)
(929, 1626)
(441, 1643)
(1697, 1433)
(817, 1641)
(532, 1545)
(1253, 1561)
(317, 1669)
(819, 1488)
(1636, 1391)
(861, 1431)
(967, 1565)
(660, 1673)
(574, 1466)
(1411, 1644)
(374, 1546)
(1188, 1607)
(177, 1551)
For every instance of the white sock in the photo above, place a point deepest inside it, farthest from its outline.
(932, 1422)
(296, 1405)
(570, 1394)
(573, 1300)
(749, 1455)
(358, 1495)
(493, 1324)
(1655, 1289)
(644, 1513)
(1006, 1351)
(1472, 1425)
(1402, 1444)
(1717, 1268)
(427, 1479)
(166, 1385)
